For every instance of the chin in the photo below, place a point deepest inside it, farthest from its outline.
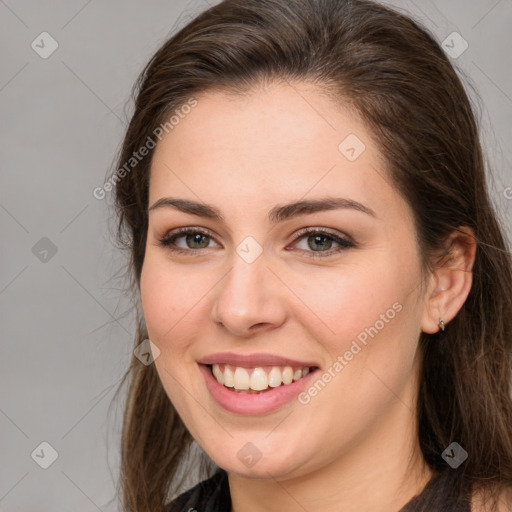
(277, 466)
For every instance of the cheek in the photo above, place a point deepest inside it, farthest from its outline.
(175, 303)
(167, 295)
(169, 300)
(373, 311)
(368, 314)
(347, 300)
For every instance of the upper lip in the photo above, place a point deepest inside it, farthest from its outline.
(253, 360)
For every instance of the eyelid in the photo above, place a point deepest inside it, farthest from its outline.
(173, 234)
(343, 240)
(333, 233)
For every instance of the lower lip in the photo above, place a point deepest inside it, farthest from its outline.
(261, 403)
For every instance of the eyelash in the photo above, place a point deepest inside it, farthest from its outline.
(168, 240)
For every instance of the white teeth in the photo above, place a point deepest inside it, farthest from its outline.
(218, 374)
(274, 377)
(241, 378)
(258, 380)
(228, 377)
(287, 375)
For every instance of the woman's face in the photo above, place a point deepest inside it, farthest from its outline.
(346, 301)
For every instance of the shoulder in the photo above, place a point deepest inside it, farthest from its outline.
(504, 502)
(207, 495)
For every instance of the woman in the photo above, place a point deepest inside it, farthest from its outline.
(321, 273)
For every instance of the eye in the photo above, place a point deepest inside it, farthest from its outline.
(318, 239)
(194, 239)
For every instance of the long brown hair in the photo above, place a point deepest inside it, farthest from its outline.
(397, 77)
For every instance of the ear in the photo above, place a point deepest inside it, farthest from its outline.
(450, 282)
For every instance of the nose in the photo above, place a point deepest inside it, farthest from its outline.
(249, 299)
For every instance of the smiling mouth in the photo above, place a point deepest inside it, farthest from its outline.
(258, 379)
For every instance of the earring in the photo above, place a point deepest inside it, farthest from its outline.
(442, 324)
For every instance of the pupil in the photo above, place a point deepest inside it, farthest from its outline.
(196, 238)
(317, 239)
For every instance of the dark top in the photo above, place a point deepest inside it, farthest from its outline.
(212, 495)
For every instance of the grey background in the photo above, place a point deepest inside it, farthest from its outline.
(66, 326)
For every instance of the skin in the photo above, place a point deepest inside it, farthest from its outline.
(353, 447)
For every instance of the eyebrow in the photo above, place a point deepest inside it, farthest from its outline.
(275, 215)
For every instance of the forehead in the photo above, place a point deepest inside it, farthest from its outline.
(280, 143)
